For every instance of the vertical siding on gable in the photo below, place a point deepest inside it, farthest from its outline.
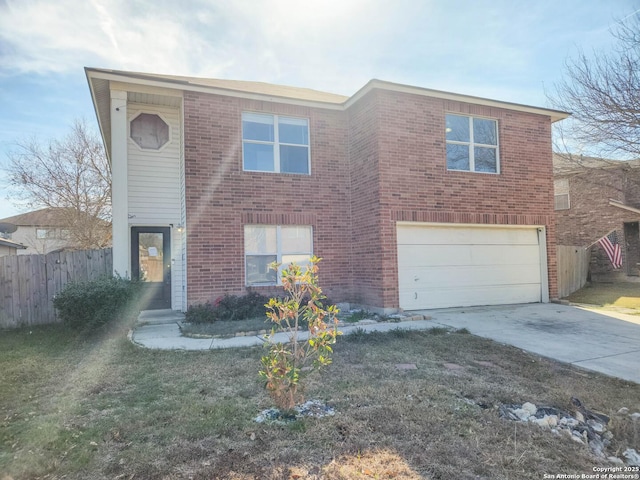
(156, 190)
(154, 176)
(181, 292)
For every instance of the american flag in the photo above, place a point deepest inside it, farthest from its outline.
(610, 245)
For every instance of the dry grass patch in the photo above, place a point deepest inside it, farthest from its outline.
(624, 295)
(103, 408)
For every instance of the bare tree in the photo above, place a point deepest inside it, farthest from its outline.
(71, 175)
(602, 91)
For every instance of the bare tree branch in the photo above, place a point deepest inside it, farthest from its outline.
(602, 92)
(72, 175)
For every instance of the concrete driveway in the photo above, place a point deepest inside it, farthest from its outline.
(606, 342)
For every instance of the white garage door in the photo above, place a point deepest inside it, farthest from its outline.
(441, 266)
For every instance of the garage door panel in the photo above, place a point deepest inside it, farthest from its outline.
(453, 255)
(466, 276)
(441, 266)
(505, 255)
(480, 236)
(470, 296)
(420, 235)
(443, 255)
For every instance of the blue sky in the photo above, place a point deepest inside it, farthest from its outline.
(504, 49)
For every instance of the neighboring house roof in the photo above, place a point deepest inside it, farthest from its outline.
(46, 217)
(8, 243)
(565, 164)
(172, 85)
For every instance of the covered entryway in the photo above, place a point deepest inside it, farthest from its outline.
(151, 264)
(442, 266)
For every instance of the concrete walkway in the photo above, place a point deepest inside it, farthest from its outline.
(605, 342)
(159, 329)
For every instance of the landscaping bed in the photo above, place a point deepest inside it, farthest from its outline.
(260, 325)
(225, 329)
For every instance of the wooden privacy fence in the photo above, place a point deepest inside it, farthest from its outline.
(28, 283)
(573, 267)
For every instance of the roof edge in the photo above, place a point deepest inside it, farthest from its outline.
(177, 84)
(106, 142)
(619, 204)
(5, 242)
(142, 79)
(556, 115)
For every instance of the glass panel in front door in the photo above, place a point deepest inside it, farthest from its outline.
(151, 250)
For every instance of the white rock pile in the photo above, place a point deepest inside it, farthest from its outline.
(311, 408)
(583, 426)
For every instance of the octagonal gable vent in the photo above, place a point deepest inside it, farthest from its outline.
(149, 131)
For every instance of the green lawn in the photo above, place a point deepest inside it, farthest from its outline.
(102, 408)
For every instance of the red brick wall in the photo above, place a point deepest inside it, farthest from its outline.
(367, 246)
(416, 186)
(221, 198)
(381, 161)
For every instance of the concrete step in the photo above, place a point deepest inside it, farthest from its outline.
(159, 317)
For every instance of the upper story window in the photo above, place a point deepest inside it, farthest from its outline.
(44, 233)
(273, 143)
(472, 144)
(561, 194)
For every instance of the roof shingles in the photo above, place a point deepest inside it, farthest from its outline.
(46, 217)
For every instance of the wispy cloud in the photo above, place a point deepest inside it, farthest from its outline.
(329, 44)
(493, 48)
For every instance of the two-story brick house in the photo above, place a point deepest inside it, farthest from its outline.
(594, 196)
(414, 198)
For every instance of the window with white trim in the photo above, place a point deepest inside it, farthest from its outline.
(284, 244)
(472, 144)
(275, 143)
